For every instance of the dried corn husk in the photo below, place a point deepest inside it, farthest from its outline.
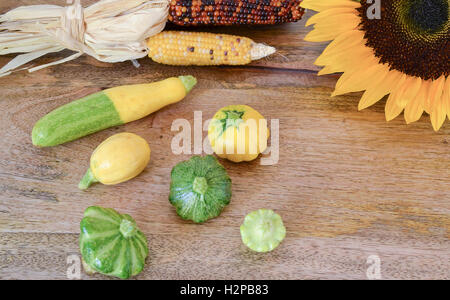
(109, 30)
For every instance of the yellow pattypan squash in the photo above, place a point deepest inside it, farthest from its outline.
(238, 133)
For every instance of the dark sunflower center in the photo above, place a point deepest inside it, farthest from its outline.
(428, 15)
(412, 36)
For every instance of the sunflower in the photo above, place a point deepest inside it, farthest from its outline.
(402, 52)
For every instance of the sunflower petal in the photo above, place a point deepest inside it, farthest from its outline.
(438, 115)
(350, 55)
(345, 60)
(333, 27)
(438, 108)
(379, 88)
(446, 96)
(415, 108)
(324, 15)
(434, 93)
(329, 70)
(321, 5)
(318, 36)
(358, 58)
(339, 22)
(356, 80)
(346, 40)
(411, 88)
(392, 109)
(350, 41)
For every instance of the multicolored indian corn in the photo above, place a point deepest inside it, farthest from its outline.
(231, 12)
(203, 49)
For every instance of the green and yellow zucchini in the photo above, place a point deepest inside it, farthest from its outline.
(111, 107)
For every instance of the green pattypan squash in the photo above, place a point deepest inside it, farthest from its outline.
(263, 230)
(111, 243)
(200, 188)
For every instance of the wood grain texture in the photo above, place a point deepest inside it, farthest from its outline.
(347, 184)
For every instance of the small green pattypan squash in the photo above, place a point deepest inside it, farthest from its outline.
(262, 230)
(200, 188)
(111, 243)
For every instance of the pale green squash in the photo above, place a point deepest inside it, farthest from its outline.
(263, 230)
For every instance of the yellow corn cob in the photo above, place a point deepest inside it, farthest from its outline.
(203, 49)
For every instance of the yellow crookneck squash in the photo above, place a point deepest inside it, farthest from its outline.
(238, 133)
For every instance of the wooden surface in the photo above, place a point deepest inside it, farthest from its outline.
(347, 184)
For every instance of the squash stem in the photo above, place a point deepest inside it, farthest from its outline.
(87, 180)
(200, 185)
(127, 228)
(189, 82)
